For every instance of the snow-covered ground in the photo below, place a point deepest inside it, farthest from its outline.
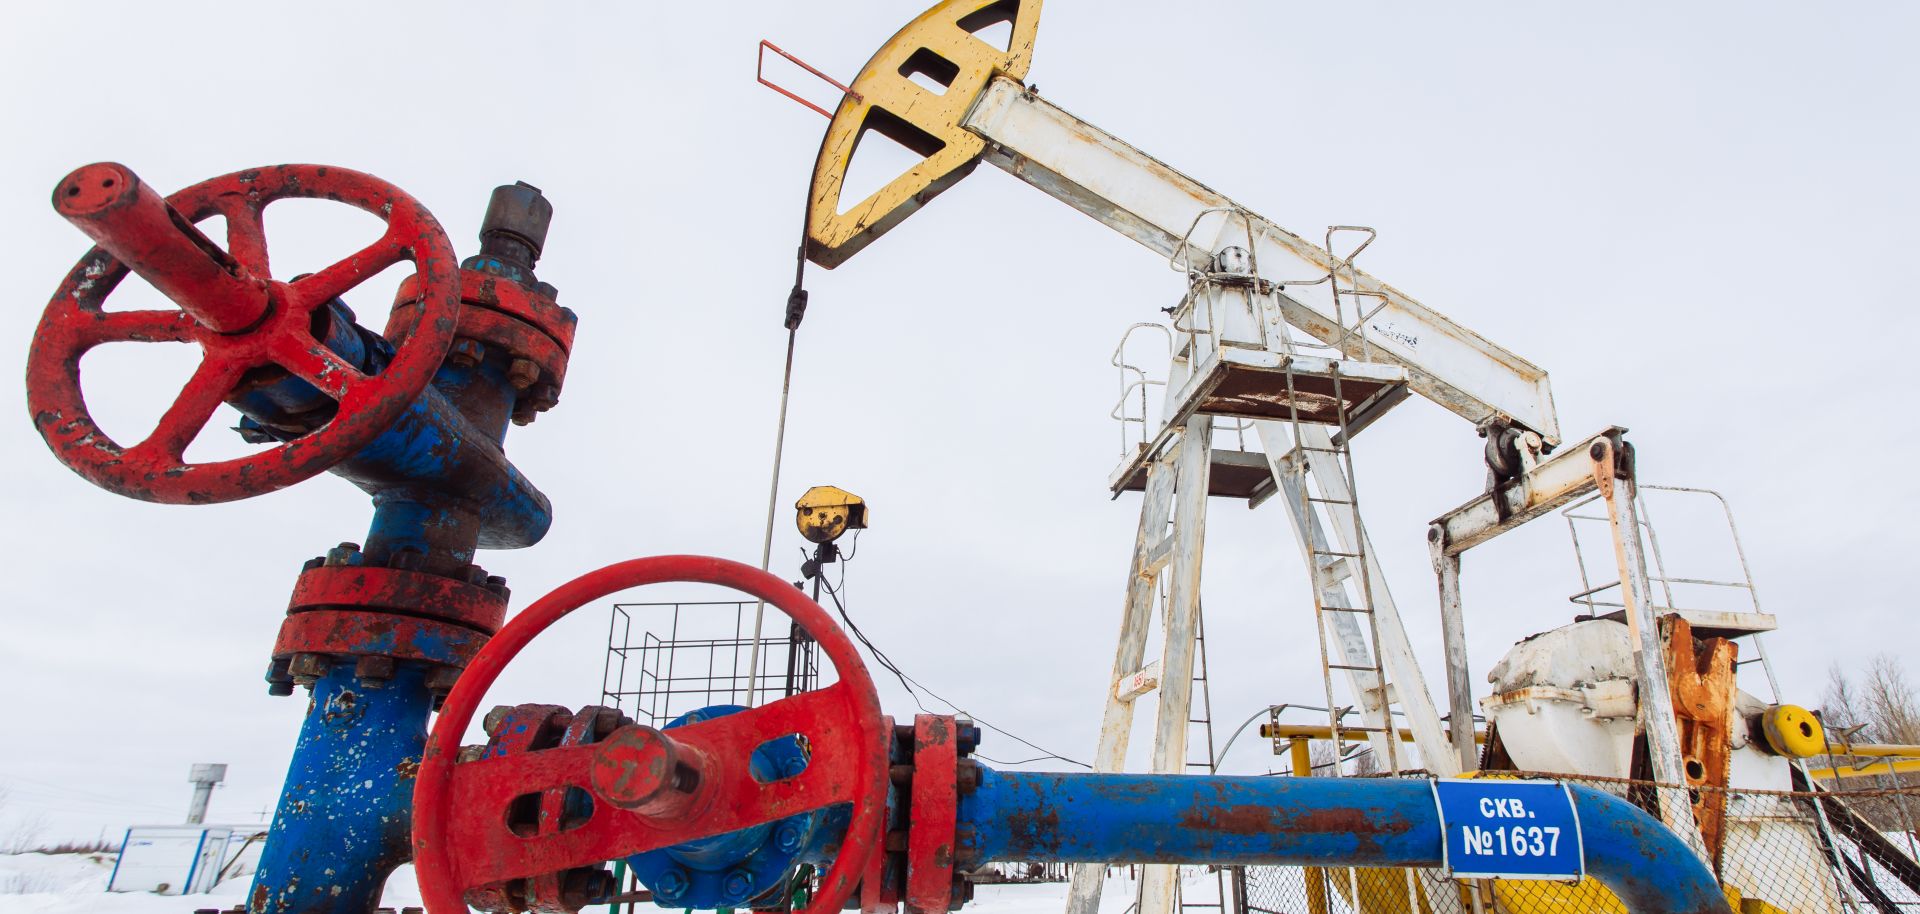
(77, 883)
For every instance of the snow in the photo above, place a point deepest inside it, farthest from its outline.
(77, 884)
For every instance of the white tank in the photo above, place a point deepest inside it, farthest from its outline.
(1563, 700)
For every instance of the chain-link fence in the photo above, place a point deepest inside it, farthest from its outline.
(1782, 852)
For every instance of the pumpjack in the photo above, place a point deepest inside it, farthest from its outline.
(720, 808)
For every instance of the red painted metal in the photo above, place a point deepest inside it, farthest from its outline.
(459, 832)
(562, 891)
(527, 728)
(880, 887)
(759, 68)
(125, 216)
(519, 338)
(502, 314)
(496, 293)
(174, 257)
(932, 814)
(362, 633)
(415, 593)
(647, 771)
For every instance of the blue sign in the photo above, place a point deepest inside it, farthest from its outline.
(1502, 829)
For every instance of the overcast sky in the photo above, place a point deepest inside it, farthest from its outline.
(1697, 217)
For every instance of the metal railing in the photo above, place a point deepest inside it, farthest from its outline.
(666, 659)
(1134, 379)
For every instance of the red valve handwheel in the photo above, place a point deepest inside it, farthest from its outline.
(461, 838)
(155, 469)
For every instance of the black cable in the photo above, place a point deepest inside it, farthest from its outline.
(1037, 758)
(877, 653)
(796, 312)
(908, 682)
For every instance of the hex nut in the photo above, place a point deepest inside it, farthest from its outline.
(490, 724)
(305, 668)
(373, 670)
(466, 352)
(671, 884)
(441, 680)
(521, 373)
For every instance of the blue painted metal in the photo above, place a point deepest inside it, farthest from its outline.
(752, 864)
(193, 868)
(442, 457)
(119, 857)
(345, 814)
(1279, 821)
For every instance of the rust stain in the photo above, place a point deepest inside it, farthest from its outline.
(1039, 830)
(1233, 820)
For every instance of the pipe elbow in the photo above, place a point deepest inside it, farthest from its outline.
(1650, 868)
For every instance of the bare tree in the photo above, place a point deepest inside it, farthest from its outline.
(1890, 703)
(1357, 760)
(1841, 711)
(1881, 709)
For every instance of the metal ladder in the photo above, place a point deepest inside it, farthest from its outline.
(1321, 484)
(1207, 765)
(1331, 566)
(1313, 469)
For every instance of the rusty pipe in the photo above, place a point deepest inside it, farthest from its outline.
(1283, 821)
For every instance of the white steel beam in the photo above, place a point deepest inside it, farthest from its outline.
(1611, 462)
(1116, 725)
(1548, 485)
(1159, 883)
(1148, 201)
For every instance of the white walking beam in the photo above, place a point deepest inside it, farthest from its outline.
(1148, 201)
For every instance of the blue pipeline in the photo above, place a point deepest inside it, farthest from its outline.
(346, 811)
(1280, 821)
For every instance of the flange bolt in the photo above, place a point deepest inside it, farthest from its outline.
(490, 724)
(788, 836)
(792, 767)
(521, 373)
(672, 884)
(969, 736)
(738, 883)
(466, 352)
(279, 680)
